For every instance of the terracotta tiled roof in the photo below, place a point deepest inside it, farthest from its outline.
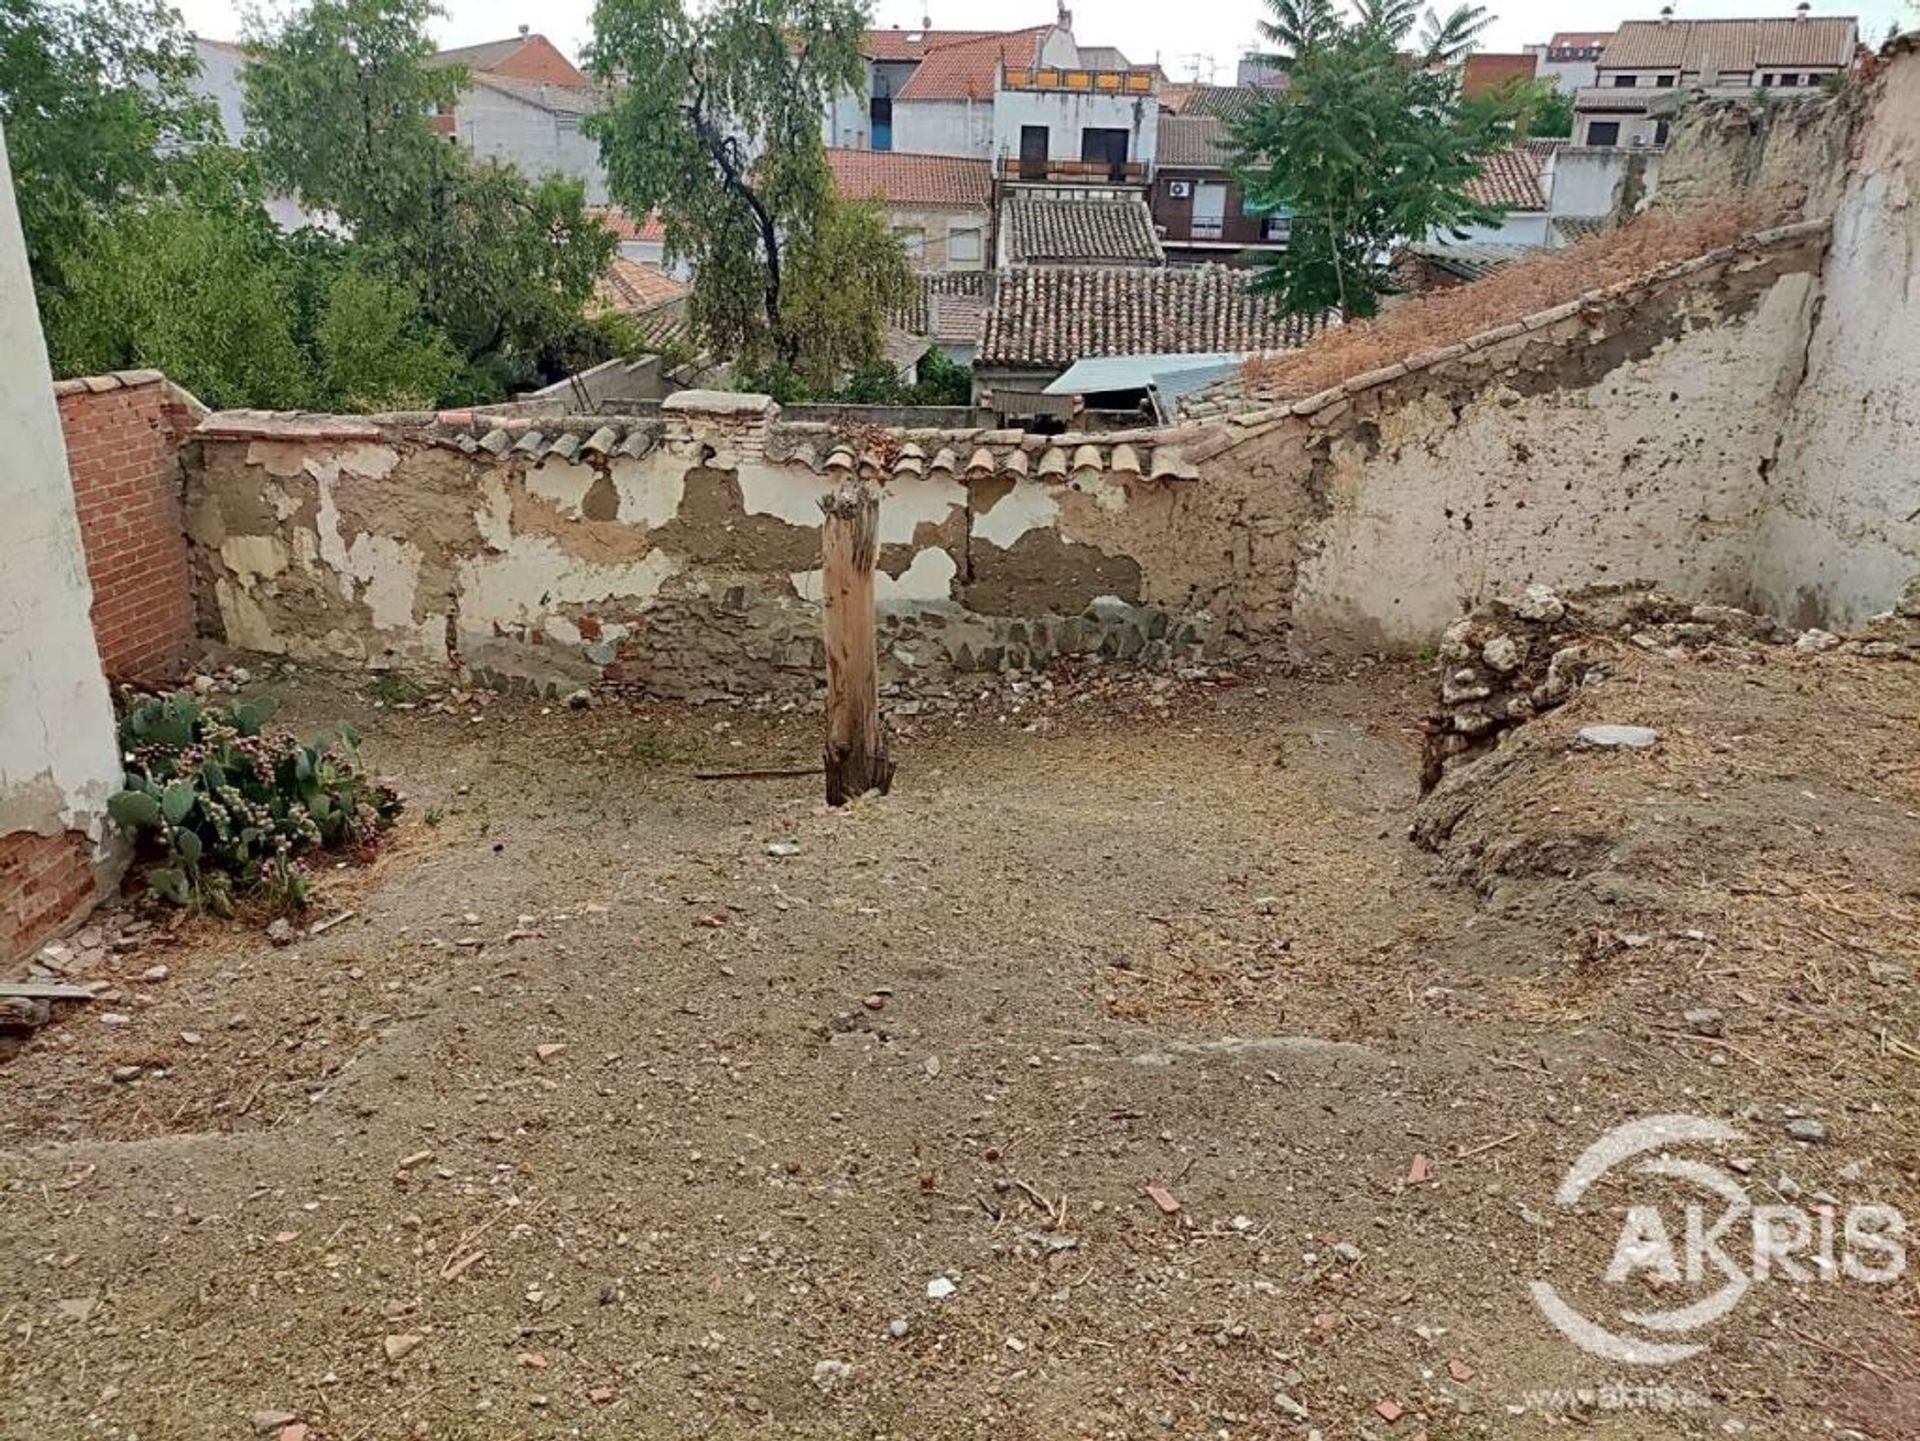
(897, 44)
(907, 179)
(949, 305)
(523, 57)
(1486, 72)
(630, 286)
(1731, 45)
(1512, 177)
(1042, 232)
(623, 224)
(1191, 142)
(1047, 317)
(966, 69)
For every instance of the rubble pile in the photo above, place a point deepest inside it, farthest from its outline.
(1519, 657)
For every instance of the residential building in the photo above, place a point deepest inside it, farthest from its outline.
(222, 81)
(523, 106)
(1570, 58)
(1519, 180)
(1486, 71)
(865, 122)
(1044, 318)
(1197, 203)
(643, 240)
(1649, 64)
(941, 206)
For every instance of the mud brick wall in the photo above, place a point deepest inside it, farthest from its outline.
(123, 452)
(1628, 434)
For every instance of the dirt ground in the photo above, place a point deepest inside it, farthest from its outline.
(854, 1137)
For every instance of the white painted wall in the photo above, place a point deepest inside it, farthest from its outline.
(1066, 113)
(944, 127)
(1844, 536)
(59, 758)
(1586, 181)
(498, 126)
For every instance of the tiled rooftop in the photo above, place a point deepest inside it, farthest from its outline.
(1047, 231)
(948, 305)
(966, 69)
(1192, 142)
(632, 287)
(1731, 45)
(1513, 178)
(1052, 316)
(904, 179)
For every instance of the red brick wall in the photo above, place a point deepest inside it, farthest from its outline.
(123, 451)
(46, 883)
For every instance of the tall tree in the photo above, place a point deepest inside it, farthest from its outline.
(715, 123)
(339, 97)
(95, 102)
(1371, 143)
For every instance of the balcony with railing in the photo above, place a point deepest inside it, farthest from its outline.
(1076, 172)
(1090, 82)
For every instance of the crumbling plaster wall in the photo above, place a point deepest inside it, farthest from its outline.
(59, 757)
(1630, 435)
(1845, 535)
(1615, 442)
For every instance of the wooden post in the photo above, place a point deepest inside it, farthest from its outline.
(856, 756)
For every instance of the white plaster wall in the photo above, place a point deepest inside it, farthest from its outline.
(1844, 537)
(498, 126)
(1517, 227)
(1654, 473)
(1066, 113)
(59, 758)
(1586, 179)
(944, 127)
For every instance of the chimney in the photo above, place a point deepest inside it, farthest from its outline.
(1065, 15)
(1801, 10)
(525, 30)
(1666, 15)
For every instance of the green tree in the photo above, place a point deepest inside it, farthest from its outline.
(715, 123)
(1542, 110)
(503, 266)
(847, 273)
(1369, 144)
(375, 351)
(189, 289)
(95, 105)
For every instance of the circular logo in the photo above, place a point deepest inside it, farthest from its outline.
(1647, 1244)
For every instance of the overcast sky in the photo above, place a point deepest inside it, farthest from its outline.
(1181, 34)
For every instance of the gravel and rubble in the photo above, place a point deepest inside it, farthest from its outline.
(1125, 1073)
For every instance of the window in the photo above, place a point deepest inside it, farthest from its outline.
(1660, 131)
(963, 245)
(1105, 148)
(1767, 81)
(1624, 82)
(1603, 132)
(880, 121)
(1790, 80)
(1033, 152)
(1277, 227)
(1663, 82)
(914, 240)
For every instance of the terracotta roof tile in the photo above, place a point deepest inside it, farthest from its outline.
(967, 69)
(1731, 45)
(949, 305)
(906, 179)
(897, 44)
(1041, 232)
(1053, 316)
(1191, 142)
(1511, 178)
(632, 287)
(623, 224)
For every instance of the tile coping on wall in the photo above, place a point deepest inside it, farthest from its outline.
(750, 422)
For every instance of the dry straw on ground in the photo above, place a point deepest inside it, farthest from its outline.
(1445, 317)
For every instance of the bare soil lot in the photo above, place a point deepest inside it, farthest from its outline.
(601, 1118)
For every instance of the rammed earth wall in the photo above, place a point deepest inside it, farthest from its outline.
(1629, 435)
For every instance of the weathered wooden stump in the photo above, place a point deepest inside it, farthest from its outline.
(856, 754)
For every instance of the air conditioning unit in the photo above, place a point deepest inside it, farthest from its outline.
(1180, 189)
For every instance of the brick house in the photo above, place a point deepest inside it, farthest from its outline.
(523, 106)
(1197, 203)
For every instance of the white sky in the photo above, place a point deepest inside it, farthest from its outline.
(1178, 33)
